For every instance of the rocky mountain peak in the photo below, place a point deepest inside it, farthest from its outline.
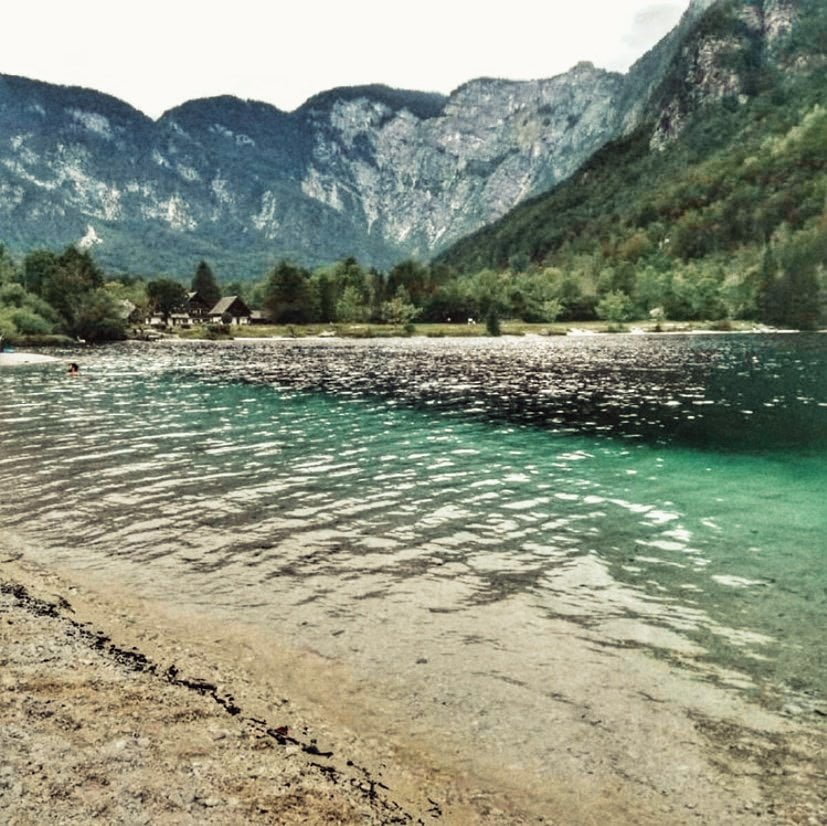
(370, 171)
(720, 59)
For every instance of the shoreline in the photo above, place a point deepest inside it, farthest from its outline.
(167, 733)
(381, 332)
(185, 717)
(14, 359)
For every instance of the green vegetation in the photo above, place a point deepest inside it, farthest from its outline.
(48, 294)
(49, 298)
(725, 223)
(204, 283)
(729, 221)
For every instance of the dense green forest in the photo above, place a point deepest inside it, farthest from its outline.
(729, 220)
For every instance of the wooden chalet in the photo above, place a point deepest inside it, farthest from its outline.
(230, 309)
(197, 308)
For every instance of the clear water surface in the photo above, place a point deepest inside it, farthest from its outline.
(667, 493)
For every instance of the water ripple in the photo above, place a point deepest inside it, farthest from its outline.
(617, 484)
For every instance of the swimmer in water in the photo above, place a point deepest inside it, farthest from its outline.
(73, 369)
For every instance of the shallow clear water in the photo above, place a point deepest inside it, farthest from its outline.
(664, 492)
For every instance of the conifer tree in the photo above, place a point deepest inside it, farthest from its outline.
(204, 283)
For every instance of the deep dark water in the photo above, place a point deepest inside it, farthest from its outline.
(744, 392)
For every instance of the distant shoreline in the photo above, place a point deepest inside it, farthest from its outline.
(510, 329)
(14, 359)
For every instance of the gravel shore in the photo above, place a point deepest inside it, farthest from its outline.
(97, 729)
(114, 711)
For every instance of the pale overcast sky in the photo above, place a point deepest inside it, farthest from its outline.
(158, 53)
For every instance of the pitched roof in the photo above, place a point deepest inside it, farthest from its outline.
(225, 304)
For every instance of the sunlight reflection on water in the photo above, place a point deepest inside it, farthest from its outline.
(617, 483)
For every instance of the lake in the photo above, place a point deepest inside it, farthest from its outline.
(440, 513)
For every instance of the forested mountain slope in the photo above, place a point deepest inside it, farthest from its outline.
(715, 204)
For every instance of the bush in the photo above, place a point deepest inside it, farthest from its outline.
(492, 322)
(29, 323)
(614, 307)
(216, 331)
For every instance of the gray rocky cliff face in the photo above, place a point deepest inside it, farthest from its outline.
(716, 58)
(420, 184)
(372, 172)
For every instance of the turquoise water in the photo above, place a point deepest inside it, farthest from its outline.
(664, 493)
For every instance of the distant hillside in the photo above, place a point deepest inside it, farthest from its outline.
(724, 179)
(377, 173)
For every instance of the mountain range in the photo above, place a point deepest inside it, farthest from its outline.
(376, 173)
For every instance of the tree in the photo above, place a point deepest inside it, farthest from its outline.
(492, 321)
(69, 285)
(287, 294)
(98, 319)
(204, 283)
(325, 289)
(24, 314)
(614, 307)
(399, 309)
(451, 302)
(552, 309)
(351, 305)
(414, 277)
(38, 265)
(236, 288)
(8, 269)
(349, 273)
(166, 296)
(518, 262)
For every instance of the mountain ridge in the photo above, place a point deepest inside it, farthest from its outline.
(373, 172)
(713, 206)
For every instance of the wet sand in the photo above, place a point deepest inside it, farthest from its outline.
(122, 709)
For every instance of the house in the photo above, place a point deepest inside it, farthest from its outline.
(259, 317)
(194, 310)
(197, 308)
(230, 310)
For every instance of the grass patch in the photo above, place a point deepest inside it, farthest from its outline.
(508, 328)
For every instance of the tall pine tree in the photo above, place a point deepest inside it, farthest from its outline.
(204, 283)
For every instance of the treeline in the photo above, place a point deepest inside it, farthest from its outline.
(49, 294)
(51, 297)
(784, 285)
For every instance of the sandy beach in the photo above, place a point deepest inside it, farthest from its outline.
(123, 710)
(14, 359)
